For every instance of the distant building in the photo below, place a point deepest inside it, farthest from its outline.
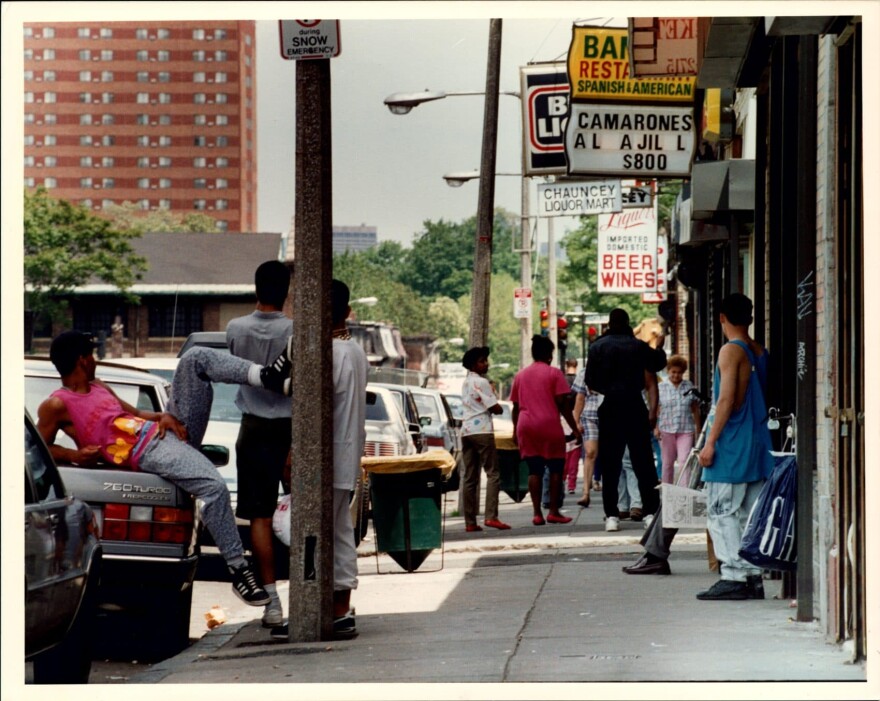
(354, 238)
(161, 114)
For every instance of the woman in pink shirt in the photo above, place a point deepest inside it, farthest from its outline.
(540, 394)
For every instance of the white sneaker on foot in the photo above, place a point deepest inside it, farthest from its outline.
(649, 519)
(612, 523)
(273, 615)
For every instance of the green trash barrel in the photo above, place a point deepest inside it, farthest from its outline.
(407, 514)
(514, 474)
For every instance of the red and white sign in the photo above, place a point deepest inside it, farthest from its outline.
(659, 294)
(522, 303)
(628, 251)
(545, 107)
(663, 46)
(309, 38)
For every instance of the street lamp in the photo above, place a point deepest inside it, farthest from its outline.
(403, 102)
(366, 301)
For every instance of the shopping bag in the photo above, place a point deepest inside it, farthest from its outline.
(682, 507)
(769, 538)
(281, 520)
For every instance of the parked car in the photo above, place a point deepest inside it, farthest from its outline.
(387, 430)
(62, 569)
(503, 422)
(407, 405)
(148, 527)
(454, 401)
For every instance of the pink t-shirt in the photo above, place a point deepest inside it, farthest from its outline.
(538, 430)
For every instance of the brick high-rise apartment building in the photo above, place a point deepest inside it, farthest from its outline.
(161, 114)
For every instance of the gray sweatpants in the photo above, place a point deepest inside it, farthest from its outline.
(181, 462)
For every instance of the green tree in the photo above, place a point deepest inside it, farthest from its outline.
(66, 246)
(129, 217)
(448, 320)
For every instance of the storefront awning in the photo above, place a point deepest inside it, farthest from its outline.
(723, 187)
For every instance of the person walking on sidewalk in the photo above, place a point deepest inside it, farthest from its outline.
(262, 450)
(620, 367)
(479, 403)
(166, 444)
(539, 395)
(678, 419)
(586, 410)
(736, 457)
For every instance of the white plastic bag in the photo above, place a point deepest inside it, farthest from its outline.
(281, 520)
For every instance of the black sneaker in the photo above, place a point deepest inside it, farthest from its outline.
(755, 584)
(276, 376)
(280, 633)
(725, 590)
(244, 584)
(344, 627)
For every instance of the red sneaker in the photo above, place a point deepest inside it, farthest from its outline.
(495, 523)
(558, 519)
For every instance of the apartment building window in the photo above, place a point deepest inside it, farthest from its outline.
(144, 183)
(106, 54)
(143, 98)
(221, 141)
(85, 161)
(143, 119)
(48, 32)
(220, 98)
(29, 118)
(220, 55)
(200, 141)
(28, 75)
(48, 54)
(106, 76)
(85, 76)
(107, 97)
(164, 204)
(199, 77)
(85, 182)
(108, 162)
(50, 97)
(221, 162)
(30, 182)
(28, 139)
(164, 183)
(200, 120)
(220, 77)
(164, 162)
(164, 141)
(142, 77)
(50, 119)
(222, 225)
(200, 183)
(107, 119)
(83, 32)
(28, 97)
(163, 55)
(85, 97)
(164, 119)
(144, 204)
(28, 32)
(87, 202)
(200, 98)
(247, 81)
(200, 162)
(198, 34)
(50, 161)
(247, 60)
(85, 140)
(85, 55)
(219, 34)
(221, 204)
(106, 33)
(222, 119)
(28, 54)
(29, 161)
(142, 55)
(221, 183)
(164, 77)
(107, 203)
(50, 183)
(140, 33)
(143, 141)
(108, 140)
(49, 76)
(50, 140)
(163, 33)
(164, 98)
(143, 162)
(200, 204)
(198, 56)
(108, 183)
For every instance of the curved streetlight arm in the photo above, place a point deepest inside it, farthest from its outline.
(403, 102)
(459, 178)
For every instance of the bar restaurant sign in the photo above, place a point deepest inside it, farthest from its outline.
(624, 126)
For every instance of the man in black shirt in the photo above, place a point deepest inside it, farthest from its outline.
(621, 367)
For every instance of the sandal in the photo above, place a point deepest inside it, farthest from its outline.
(538, 521)
(584, 501)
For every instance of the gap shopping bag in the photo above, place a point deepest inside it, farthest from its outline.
(769, 537)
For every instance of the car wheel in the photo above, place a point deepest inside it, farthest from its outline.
(70, 662)
(166, 629)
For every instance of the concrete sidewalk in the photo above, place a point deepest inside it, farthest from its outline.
(537, 604)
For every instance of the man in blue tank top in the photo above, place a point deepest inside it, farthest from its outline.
(736, 457)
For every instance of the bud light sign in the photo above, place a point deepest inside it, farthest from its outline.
(545, 92)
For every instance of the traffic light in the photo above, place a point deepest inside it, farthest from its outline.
(592, 333)
(561, 328)
(545, 322)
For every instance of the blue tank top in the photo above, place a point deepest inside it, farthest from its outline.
(742, 452)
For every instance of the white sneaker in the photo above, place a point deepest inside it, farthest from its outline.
(612, 523)
(649, 519)
(273, 615)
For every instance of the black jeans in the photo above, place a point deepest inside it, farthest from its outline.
(624, 424)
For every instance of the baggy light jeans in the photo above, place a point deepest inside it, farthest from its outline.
(728, 507)
(182, 463)
(628, 494)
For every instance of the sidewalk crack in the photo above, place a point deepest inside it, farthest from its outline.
(528, 617)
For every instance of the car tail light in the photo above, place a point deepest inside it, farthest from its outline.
(380, 448)
(146, 524)
(434, 440)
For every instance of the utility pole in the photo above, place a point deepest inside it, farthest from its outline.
(479, 321)
(525, 245)
(311, 500)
